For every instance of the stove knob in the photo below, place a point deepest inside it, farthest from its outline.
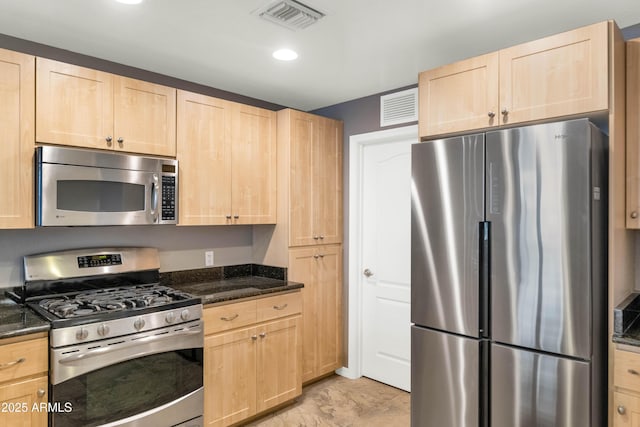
(103, 330)
(82, 334)
(139, 323)
(170, 317)
(185, 314)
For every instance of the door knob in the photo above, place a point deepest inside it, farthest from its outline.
(367, 272)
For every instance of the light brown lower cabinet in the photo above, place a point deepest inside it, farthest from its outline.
(251, 369)
(20, 403)
(24, 381)
(320, 269)
(626, 410)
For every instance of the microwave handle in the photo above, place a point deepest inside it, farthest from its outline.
(154, 198)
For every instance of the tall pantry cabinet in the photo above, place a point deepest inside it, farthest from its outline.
(308, 236)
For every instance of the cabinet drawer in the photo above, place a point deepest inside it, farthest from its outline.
(626, 371)
(23, 358)
(279, 306)
(230, 316)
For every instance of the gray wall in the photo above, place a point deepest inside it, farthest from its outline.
(181, 248)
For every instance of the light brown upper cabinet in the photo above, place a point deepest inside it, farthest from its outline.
(17, 87)
(561, 75)
(315, 177)
(633, 133)
(227, 159)
(88, 108)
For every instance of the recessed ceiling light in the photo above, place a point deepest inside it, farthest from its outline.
(129, 1)
(285, 54)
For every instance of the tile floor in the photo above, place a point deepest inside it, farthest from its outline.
(341, 402)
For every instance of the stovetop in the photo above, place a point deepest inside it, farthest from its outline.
(100, 305)
(109, 300)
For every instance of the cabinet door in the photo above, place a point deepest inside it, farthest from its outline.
(17, 87)
(253, 166)
(279, 373)
(633, 134)
(560, 75)
(459, 96)
(329, 309)
(204, 159)
(144, 117)
(328, 182)
(18, 401)
(230, 377)
(303, 267)
(626, 410)
(74, 105)
(301, 196)
(320, 269)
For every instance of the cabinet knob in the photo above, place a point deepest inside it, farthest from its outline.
(316, 237)
(491, 114)
(109, 139)
(505, 112)
(41, 392)
(254, 337)
(622, 410)
(634, 214)
(316, 256)
(321, 237)
(121, 140)
(236, 216)
(263, 334)
(228, 216)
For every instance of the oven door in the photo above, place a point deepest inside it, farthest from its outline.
(147, 379)
(83, 195)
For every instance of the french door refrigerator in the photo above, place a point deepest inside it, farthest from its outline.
(508, 278)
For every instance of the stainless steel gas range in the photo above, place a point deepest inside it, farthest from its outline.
(124, 350)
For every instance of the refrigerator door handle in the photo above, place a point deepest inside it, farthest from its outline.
(484, 273)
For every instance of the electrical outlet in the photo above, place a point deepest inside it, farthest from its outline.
(208, 258)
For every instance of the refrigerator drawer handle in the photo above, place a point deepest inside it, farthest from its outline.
(633, 372)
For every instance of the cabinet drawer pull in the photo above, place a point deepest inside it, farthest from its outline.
(621, 410)
(229, 318)
(280, 307)
(10, 364)
(633, 372)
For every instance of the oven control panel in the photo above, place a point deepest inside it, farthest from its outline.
(168, 198)
(88, 261)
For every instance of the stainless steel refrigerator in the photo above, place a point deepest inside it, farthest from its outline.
(508, 278)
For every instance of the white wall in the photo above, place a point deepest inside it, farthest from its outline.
(181, 248)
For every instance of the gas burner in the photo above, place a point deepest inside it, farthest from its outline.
(112, 299)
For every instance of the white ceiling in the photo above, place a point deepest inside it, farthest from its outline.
(360, 48)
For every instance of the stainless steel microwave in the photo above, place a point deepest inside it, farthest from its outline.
(78, 187)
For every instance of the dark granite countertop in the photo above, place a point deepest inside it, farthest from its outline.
(626, 321)
(16, 319)
(222, 284)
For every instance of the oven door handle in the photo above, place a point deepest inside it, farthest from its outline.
(138, 342)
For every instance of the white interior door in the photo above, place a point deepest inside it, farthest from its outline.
(385, 262)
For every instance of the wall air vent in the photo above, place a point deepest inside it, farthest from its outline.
(290, 14)
(399, 107)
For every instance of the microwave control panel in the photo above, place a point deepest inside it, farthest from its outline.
(168, 198)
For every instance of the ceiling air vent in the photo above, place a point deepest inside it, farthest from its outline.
(399, 107)
(290, 14)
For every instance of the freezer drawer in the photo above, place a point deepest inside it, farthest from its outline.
(541, 198)
(445, 379)
(447, 206)
(530, 389)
